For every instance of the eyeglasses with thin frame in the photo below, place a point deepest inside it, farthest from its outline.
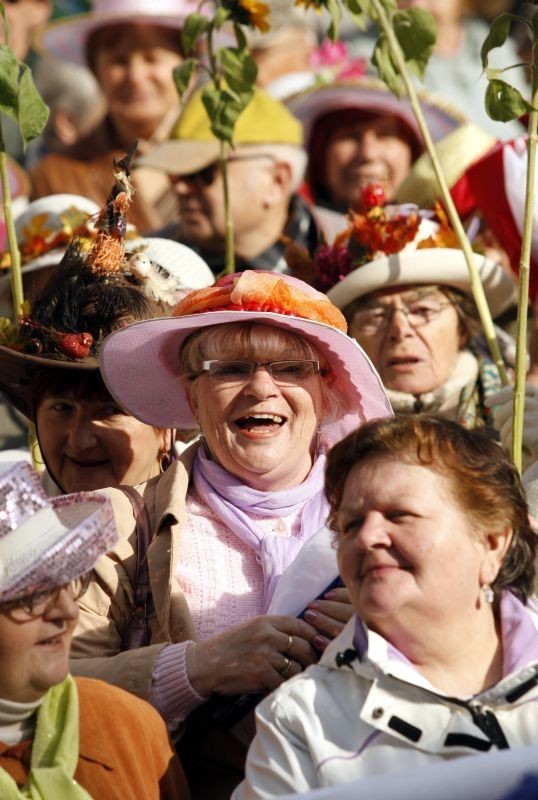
(35, 605)
(237, 373)
(206, 175)
(377, 318)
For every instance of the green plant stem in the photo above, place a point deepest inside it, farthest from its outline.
(230, 249)
(476, 284)
(523, 300)
(223, 161)
(16, 278)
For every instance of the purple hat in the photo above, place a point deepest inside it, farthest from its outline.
(48, 542)
(141, 363)
(370, 95)
(66, 38)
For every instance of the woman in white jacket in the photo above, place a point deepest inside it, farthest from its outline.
(441, 659)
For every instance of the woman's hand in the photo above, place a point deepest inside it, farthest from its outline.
(256, 656)
(329, 616)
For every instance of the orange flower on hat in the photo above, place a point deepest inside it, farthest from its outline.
(446, 235)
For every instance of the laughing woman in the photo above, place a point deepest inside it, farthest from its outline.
(262, 364)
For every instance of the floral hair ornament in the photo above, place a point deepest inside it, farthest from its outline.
(47, 542)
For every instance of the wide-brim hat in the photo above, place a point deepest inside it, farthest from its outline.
(17, 371)
(438, 265)
(192, 144)
(48, 542)
(370, 95)
(140, 364)
(66, 38)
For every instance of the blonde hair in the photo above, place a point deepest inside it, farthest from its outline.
(256, 340)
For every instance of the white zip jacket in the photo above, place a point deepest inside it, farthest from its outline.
(365, 710)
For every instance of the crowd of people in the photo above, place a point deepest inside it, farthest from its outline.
(261, 533)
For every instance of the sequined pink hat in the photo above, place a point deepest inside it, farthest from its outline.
(47, 542)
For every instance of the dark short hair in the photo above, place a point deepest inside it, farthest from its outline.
(76, 383)
(484, 481)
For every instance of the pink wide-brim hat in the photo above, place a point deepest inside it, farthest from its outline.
(66, 38)
(48, 542)
(370, 95)
(140, 365)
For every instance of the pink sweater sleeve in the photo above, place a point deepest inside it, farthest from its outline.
(171, 691)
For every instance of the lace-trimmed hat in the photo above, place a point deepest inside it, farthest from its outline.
(47, 542)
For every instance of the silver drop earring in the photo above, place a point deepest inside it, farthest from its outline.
(489, 594)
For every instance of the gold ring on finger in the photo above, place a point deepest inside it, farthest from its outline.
(285, 671)
(289, 645)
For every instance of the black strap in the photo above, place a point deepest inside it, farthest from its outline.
(136, 633)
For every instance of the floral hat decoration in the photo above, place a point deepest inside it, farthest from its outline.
(97, 287)
(141, 364)
(386, 246)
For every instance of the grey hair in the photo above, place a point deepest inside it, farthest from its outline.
(295, 157)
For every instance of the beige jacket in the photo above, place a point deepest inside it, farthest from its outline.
(107, 605)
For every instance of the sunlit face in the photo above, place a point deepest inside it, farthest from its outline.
(91, 444)
(363, 150)
(34, 655)
(410, 359)
(200, 205)
(263, 433)
(133, 65)
(406, 550)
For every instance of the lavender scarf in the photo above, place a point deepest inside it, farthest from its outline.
(230, 498)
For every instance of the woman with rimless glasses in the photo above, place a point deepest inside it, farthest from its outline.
(413, 313)
(263, 365)
(63, 738)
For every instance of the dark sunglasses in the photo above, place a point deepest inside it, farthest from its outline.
(206, 176)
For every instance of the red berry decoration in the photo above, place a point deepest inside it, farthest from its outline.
(76, 345)
(373, 195)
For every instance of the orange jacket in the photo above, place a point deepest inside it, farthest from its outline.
(124, 751)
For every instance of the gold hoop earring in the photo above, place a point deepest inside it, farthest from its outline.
(164, 461)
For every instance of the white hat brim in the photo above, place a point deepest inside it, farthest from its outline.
(444, 266)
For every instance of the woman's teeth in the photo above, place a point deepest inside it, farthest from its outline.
(254, 420)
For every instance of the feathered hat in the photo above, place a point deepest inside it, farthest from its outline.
(96, 288)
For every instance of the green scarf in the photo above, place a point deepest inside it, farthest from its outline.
(54, 751)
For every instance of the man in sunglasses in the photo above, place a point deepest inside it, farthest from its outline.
(265, 170)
